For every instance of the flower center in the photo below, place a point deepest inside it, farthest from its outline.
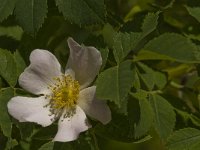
(65, 93)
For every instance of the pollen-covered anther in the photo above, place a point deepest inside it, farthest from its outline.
(65, 93)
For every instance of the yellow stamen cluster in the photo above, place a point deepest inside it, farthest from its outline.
(65, 92)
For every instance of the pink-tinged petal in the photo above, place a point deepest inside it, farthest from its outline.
(26, 109)
(84, 61)
(40, 73)
(97, 109)
(70, 128)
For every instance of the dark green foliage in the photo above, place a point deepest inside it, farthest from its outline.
(149, 75)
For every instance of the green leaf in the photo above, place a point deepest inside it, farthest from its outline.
(82, 12)
(31, 14)
(123, 43)
(164, 116)
(45, 133)
(26, 130)
(104, 55)
(136, 83)
(194, 12)
(14, 32)
(147, 78)
(149, 55)
(1, 83)
(170, 46)
(118, 129)
(108, 33)
(63, 146)
(123, 109)
(5, 122)
(144, 139)
(189, 117)
(146, 115)
(47, 146)
(152, 78)
(184, 139)
(8, 68)
(20, 64)
(11, 143)
(6, 8)
(150, 23)
(114, 83)
(167, 6)
(85, 141)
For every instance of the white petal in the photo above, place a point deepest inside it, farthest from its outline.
(26, 109)
(44, 66)
(70, 128)
(70, 72)
(84, 61)
(97, 109)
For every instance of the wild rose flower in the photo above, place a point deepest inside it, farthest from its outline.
(64, 96)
